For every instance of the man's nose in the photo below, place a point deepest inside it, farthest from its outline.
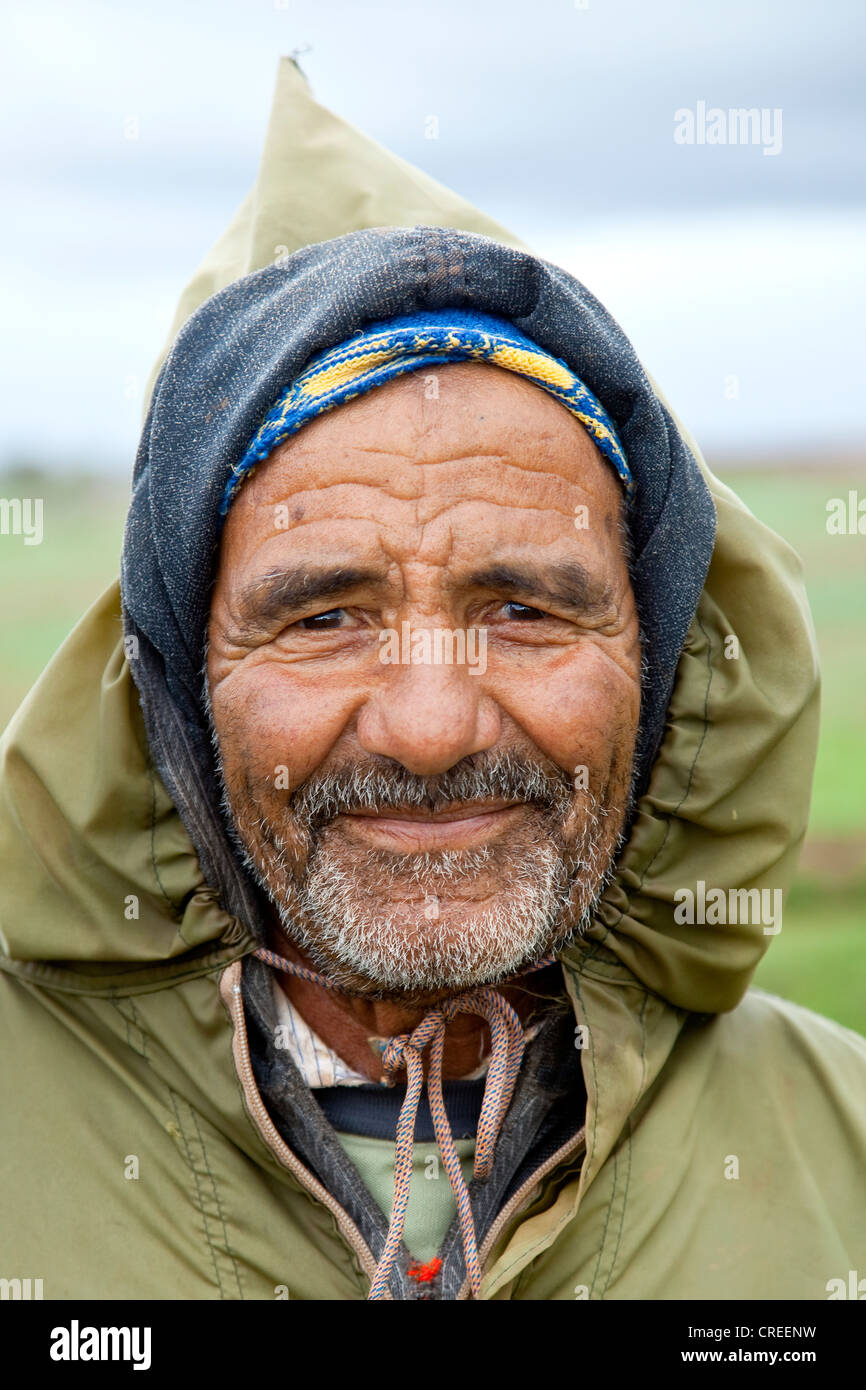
(428, 717)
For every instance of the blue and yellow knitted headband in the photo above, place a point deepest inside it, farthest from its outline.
(395, 346)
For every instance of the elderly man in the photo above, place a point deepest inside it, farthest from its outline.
(361, 967)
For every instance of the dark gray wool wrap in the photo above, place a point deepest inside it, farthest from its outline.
(237, 354)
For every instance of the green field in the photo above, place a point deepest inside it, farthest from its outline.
(819, 959)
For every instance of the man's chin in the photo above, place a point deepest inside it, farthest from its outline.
(426, 925)
(418, 977)
(421, 951)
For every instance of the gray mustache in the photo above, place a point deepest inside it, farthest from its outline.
(376, 786)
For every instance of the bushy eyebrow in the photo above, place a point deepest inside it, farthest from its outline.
(280, 593)
(562, 583)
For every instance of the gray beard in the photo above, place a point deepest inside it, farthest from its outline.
(363, 939)
(376, 923)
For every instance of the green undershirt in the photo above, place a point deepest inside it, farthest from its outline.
(431, 1201)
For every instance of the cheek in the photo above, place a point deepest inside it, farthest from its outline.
(268, 722)
(581, 711)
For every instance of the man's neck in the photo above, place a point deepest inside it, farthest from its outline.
(349, 1025)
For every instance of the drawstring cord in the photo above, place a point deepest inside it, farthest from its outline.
(406, 1050)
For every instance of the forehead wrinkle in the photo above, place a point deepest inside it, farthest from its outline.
(562, 455)
(478, 401)
(449, 525)
(461, 513)
(430, 491)
(430, 529)
(523, 447)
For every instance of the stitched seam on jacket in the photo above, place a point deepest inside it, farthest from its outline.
(141, 1051)
(200, 1201)
(622, 1211)
(219, 1206)
(130, 1023)
(629, 1144)
(606, 1223)
(136, 1017)
(126, 1021)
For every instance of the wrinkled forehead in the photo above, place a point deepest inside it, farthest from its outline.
(466, 437)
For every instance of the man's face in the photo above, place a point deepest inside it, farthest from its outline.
(424, 672)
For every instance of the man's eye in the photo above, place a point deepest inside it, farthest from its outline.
(319, 621)
(522, 612)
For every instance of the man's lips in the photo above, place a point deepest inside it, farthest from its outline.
(413, 829)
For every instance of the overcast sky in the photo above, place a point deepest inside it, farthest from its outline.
(738, 274)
